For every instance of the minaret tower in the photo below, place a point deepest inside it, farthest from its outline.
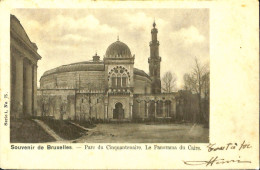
(155, 62)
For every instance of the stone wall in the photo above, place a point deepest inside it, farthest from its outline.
(59, 104)
(142, 85)
(90, 106)
(73, 104)
(75, 79)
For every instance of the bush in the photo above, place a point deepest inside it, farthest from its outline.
(63, 128)
(27, 131)
(86, 124)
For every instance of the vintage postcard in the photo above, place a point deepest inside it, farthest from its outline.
(129, 85)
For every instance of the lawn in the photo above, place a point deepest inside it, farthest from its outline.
(63, 128)
(143, 133)
(85, 124)
(27, 131)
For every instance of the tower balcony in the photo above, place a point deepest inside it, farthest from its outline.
(154, 43)
(120, 90)
(154, 59)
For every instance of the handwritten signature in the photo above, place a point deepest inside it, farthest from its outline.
(215, 160)
(219, 148)
(229, 146)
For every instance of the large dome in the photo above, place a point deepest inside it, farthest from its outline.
(118, 49)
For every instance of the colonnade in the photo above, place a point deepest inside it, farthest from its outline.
(156, 109)
(23, 71)
(24, 86)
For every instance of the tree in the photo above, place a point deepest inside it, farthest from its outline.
(206, 85)
(169, 82)
(206, 93)
(90, 100)
(187, 82)
(198, 82)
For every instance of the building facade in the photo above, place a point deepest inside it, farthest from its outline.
(23, 63)
(110, 89)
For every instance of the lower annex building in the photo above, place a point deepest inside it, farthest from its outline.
(110, 89)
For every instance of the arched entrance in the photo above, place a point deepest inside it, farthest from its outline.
(151, 109)
(118, 112)
(168, 108)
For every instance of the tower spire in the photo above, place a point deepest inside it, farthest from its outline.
(154, 24)
(117, 37)
(155, 61)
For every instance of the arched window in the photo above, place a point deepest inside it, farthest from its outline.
(118, 77)
(124, 80)
(113, 80)
(119, 80)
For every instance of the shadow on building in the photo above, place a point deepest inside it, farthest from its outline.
(23, 62)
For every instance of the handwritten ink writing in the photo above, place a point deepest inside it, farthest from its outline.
(245, 146)
(215, 160)
(228, 146)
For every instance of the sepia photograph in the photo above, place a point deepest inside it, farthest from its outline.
(110, 75)
(94, 84)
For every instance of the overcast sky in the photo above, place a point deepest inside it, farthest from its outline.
(66, 36)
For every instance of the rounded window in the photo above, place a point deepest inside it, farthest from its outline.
(119, 77)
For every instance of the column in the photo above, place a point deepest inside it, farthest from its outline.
(168, 109)
(173, 110)
(96, 111)
(105, 112)
(147, 107)
(155, 109)
(18, 92)
(34, 89)
(28, 88)
(121, 81)
(131, 111)
(163, 108)
(139, 108)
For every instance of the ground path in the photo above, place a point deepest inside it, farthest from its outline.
(137, 133)
(142, 133)
(87, 129)
(47, 129)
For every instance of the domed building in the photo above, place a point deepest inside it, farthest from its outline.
(108, 89)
